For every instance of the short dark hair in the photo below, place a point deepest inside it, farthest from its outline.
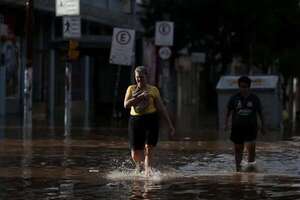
(244, 79)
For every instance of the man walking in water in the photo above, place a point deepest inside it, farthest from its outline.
(243, 108)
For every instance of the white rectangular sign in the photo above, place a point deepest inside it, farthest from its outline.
(122, 47)
(67, 7)
(164, 31)
(71, 27)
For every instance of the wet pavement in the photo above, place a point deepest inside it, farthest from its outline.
(95, 164)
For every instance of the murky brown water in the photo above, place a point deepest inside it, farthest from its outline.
(94, 165)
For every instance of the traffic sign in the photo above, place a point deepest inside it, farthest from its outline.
(164, 31)
(165, 53)
(71, 27)
(123, 41)
(67, 7)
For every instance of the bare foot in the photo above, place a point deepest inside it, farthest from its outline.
(148, 171)
(138, 167)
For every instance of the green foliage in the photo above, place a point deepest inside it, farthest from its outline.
(289, 63)
(260, 30)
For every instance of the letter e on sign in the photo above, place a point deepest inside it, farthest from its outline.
(122, 47)
(123, 37)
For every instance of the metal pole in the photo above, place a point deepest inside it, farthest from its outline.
(68, 97)
(294, 107)
(52, 79)
(2, 100)
(87, 91)
(27, 152)
(166, 80)
(2, 91)
(116, 92)
(28, 70)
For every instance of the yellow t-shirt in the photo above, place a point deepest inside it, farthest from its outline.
(153, 94)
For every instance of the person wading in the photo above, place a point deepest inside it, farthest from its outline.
(243, 108)
(145, 105)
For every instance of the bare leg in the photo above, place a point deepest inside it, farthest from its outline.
(238, 149)
(148, 159)
(137, 157)
(251, 152)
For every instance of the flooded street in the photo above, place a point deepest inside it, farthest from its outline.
(96, 165)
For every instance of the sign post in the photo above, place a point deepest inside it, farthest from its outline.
(164, 31)
(68, 97)
(70, 10)
(27, 118)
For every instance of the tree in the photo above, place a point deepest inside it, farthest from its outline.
(261, 31)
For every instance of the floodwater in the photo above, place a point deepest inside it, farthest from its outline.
(94, 164)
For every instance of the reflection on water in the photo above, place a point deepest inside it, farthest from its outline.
(98, 166)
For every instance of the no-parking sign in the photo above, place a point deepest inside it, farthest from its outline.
(121, 52)
(164, 31)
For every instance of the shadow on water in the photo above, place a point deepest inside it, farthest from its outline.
(95, 164)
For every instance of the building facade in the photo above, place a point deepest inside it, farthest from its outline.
(97, 86)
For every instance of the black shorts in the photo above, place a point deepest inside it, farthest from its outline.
(143, 130)
(240, 135)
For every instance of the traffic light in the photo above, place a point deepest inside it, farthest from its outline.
(73, 52)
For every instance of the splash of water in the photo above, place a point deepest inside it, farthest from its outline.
(132, 174)
(126, 171)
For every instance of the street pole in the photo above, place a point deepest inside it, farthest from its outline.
(165, 76)
(51, 101)
(87, 92)
(116, 116)
(27, 115)
(28, 69)
(72, 55)
(165, 81)
(2, 99)
(68, 97)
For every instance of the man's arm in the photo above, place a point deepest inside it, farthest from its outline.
(262, 122)
(227, 116)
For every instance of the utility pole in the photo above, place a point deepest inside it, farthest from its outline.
(73, 55)
(70, 11)
(68, 96)
(27, 118)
